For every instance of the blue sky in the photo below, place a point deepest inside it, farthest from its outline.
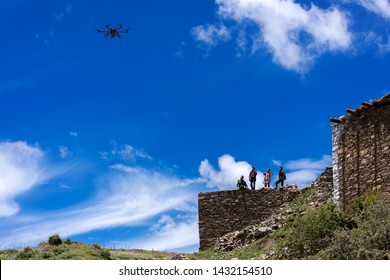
(109, 141)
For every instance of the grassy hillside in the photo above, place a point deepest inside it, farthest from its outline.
(313, 231)
(71, 250)
(305, 230)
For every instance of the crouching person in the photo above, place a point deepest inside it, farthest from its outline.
(241, 184)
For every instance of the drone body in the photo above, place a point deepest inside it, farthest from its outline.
(113, 31)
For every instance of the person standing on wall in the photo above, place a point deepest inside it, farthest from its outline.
(252, 177)
(282, 177)
(267, 178)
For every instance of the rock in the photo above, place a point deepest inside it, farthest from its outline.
(178, 257)
(263, 231)
(241, 235)
(274, 227)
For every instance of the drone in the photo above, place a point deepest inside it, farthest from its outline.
(113, 31)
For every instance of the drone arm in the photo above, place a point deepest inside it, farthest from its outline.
(119, 27)
(123, 31)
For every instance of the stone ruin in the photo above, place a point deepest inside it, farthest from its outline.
(361, 151)
(361, 162)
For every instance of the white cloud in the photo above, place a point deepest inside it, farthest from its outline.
(301, 172)
(69, 9)
(229, 172)
(211, 34)
(125, 153)
(125, 198)
(64, 152)
(305, 171)
(380, 7)
(125, 168)
(385, 47)
(294, 35)
(382, 41)
(171, 235)
(22, 168)
(58, 16)
(307, 163)
(73, 134)
(276, 162)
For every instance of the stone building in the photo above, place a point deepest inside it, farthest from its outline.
(361, 151)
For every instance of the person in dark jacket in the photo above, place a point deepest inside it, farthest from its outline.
(241, 184)
(282, 177)
(252, 177)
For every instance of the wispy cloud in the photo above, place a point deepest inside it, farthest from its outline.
(125, 153)
(379, 7)
(171, 234)
(64, 152)
(73, 134)
(69, 9)
(293, 34)
(125, 198)
(308, 163)
(276, 162)
(58, 16)
(211, 34)
(304, 171)
(22, 167)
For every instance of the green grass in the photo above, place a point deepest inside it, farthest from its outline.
(122, 254)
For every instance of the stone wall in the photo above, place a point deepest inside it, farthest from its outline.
(323, 185)
(361, 151)
(226, 211)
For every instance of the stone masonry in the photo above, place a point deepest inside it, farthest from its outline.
(361, 151)
(323, 185)
(226, 211)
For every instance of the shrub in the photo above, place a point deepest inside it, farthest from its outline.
(105, 254)
(312, 232)
(370, 240)
(97, 246)
(302, 200)
(26, 254)
(362, 203)
(55, 240)
(45, 255)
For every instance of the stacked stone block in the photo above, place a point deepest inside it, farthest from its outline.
(323, 185)
(361, 151)
(226, 211)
